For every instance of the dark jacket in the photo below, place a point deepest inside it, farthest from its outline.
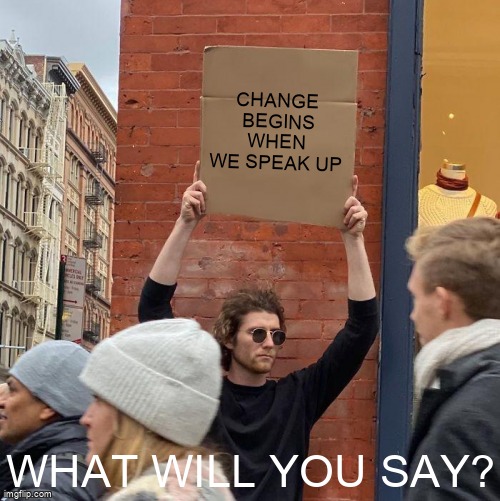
(63, 438)
(461, 418)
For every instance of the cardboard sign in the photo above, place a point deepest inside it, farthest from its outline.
(279, 132)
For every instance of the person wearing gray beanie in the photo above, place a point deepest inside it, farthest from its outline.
(39, 417)
(156, 388)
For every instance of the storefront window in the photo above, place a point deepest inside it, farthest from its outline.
(460, 111)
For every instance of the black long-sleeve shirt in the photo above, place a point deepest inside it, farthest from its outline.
(276, 418)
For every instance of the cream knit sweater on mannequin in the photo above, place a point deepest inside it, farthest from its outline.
(439, 206)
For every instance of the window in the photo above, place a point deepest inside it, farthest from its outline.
(72, 221)
(460, 102)
(11, 125)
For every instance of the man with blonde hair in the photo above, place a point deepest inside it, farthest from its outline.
(455, 284)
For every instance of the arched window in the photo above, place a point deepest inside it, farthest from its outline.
(3, 111)
(23, 127)
(19, 188)
(27, 194)
(7, 192)
(11, 131)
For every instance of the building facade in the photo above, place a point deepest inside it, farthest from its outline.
(90, 166)
(57, 165)
(32, 117)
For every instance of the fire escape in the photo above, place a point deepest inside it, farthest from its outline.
(47, 162)
(93, 241)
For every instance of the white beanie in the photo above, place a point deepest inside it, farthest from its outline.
(50, 371)
(165, 374)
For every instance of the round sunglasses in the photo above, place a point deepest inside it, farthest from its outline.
(259, 335)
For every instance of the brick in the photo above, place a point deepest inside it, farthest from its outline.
(136, 135)
(300, 290)
(339, 41)
(147, 154)
(127, 249)
(277, 40)
(378, 6)
(150, 118)
(375, 60)
(277, 7)
(323, 310)
(149, 44)
(307, 24)
(374, 41)
(249, 24)
(134, 99)
(181, 25)
(356, 23)
(180, 61)
(136, 25)
(175, 99)
(136, 192)
(335, 6)
(214, 7)
(373, 80)
(130, 211)
(193, 42)
(135, 62)
(372, 157)
(150, 80)
(173, 135)
(188, 118)
(124, 286)
(191, 80)
(156, 7)
(162, 211)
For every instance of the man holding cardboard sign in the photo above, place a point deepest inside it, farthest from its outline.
(267, 423)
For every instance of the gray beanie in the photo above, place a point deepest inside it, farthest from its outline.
(165, 374)
(50, 371)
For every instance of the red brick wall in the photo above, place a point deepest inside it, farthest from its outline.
(158, 143)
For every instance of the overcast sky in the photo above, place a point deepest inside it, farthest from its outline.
(81, 31)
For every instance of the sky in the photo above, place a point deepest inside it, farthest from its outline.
(81, 31)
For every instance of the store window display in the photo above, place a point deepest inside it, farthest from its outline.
(451, 197)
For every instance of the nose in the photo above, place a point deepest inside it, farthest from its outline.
(84, 420)
(268, 342)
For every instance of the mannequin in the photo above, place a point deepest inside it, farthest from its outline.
(451, 198)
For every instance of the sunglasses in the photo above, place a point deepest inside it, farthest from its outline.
(259, 335)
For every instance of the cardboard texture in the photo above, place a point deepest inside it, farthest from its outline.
(278, 132)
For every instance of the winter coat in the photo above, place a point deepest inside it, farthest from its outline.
(64, 438)
(459, 418)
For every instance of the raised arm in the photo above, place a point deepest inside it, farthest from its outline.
(324, 380)
(168, 263)
(159, 287)
(360, 285)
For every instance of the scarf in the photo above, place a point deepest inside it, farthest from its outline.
(451, 184)
(448, 347)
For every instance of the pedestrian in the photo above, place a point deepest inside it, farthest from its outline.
(156, 388)
(455, 285)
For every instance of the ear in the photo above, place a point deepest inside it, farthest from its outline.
(229, 345)
(47, 413)
(445, 302)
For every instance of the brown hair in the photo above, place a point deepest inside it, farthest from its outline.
(463, 257)
(238, 305)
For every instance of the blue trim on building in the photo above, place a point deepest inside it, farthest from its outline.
(400, 215)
